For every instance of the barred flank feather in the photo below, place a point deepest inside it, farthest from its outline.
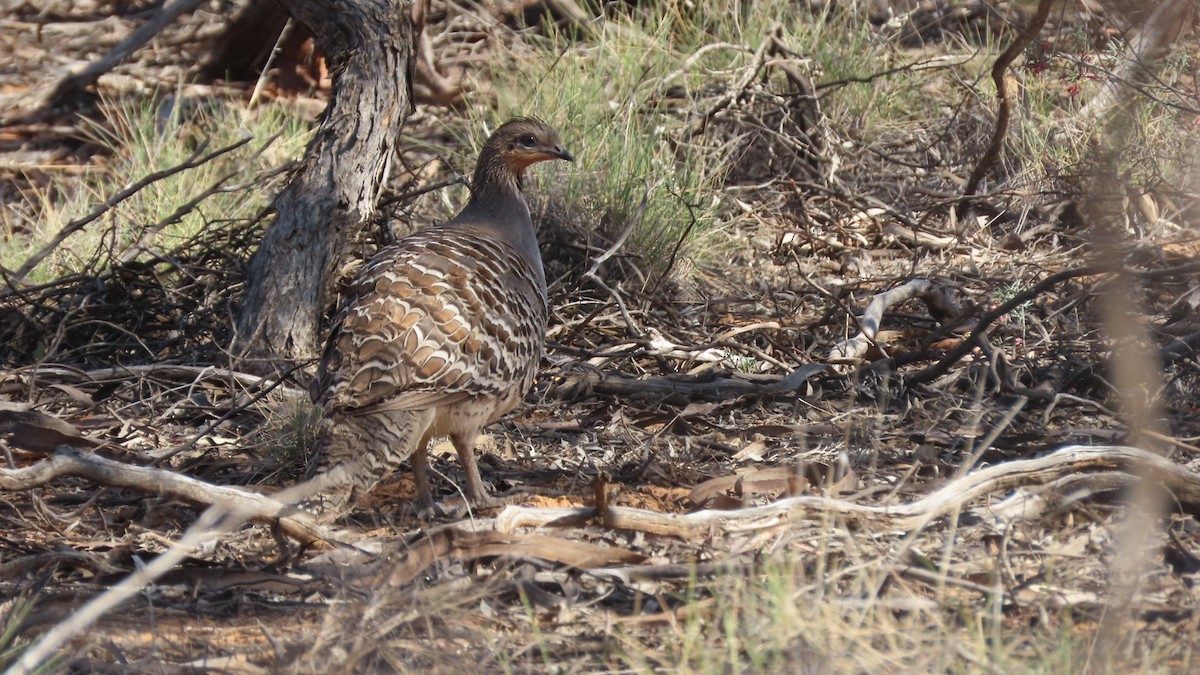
(354, 452)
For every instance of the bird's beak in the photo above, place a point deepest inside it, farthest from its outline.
(559, 152)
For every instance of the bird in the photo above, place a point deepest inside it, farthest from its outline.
(441, 333)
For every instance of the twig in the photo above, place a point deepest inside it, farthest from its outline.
(261, 83)
(683, 388)
(927, 291)
(68, 461)
(739, 88)
(980, 331)
(610, 252)
(932, 63)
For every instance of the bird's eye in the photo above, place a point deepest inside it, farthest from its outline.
(527, 140)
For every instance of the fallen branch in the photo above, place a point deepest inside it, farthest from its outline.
(1183, 483)
(69, 461)
(979, 333)
(209, 522)
(166, 371)
(937, 297)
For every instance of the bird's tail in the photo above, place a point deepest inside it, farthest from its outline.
(354, 452)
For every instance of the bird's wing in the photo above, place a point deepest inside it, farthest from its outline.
(438, 317)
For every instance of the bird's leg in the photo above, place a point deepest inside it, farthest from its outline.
(465, 445)
(420, 466)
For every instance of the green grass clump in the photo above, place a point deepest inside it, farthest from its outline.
(611, 97)
(141, 136)
(634, 96)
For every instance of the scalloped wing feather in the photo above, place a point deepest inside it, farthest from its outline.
(441, 316)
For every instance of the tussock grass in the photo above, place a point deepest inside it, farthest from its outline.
(797, 614)
(637, 99)
(625, 100)
(142, 136)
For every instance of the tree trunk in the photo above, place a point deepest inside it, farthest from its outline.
(368, 46)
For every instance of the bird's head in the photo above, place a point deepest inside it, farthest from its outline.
(519, 143)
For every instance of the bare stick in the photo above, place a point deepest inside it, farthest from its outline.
(266, 69)
(68, 461)
(931, 294)
(682, 388)
(600, 259)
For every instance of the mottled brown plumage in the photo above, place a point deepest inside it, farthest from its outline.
(441, 334)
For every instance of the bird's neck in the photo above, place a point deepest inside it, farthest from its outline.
(498, 206)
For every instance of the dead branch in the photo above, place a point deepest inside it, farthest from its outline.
(935, 296)
(195, 160)
(1069, 461)
(577, 17)
(739, 88)
(980, 331)
(137, 247)
(69, 461)
(909, 236)
(168, 371)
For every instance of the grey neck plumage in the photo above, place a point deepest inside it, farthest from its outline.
(498, 207)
